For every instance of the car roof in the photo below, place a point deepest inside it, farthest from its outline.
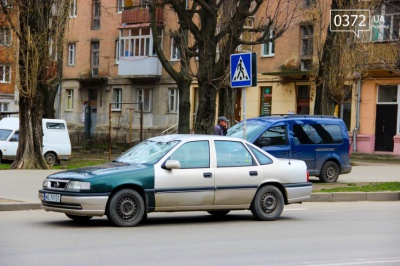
(185, 137)
(11, 123)
(274, 118)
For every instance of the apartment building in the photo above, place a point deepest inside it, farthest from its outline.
(110, 63)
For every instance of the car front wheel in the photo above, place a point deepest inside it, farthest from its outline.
(125, 208)
(268, 203)
(329, 172)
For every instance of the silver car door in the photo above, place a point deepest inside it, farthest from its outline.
(192, 186)
(237, 175)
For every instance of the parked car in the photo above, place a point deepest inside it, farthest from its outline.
(216, 174)
(321, 141)
(56, 142)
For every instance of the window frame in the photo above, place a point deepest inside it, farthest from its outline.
(6, 36)
(95, 58)
(96, 14)
(173, 100)
(73, 10)
(3, 105)
(117, 99)
(71, 54)
(6, 71)
(120, 5)
(69, 104)
(270, 45)
(175, 53)
(141, 97)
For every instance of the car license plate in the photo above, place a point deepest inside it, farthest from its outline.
(52, 197)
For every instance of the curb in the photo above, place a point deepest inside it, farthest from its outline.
(20, 206)
(354, 196)
(315, 197)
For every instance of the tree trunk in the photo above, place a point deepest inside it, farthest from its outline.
(48, 100)
(30, 151)
(226, 103)
(206, 112)
(184, 107)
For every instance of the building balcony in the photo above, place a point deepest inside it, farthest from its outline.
(140, 66)
(140, 14)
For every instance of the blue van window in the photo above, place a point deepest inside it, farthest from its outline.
(317, 134)
(276, 135)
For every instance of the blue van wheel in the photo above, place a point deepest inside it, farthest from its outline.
(329, 172)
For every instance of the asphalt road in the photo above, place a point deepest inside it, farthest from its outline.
(357, 233)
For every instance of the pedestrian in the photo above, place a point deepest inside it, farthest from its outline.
(221, 128)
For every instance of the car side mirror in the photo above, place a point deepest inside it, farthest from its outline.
(264, 142)
(172, 164)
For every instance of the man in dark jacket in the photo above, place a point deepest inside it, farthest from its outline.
(222, 127)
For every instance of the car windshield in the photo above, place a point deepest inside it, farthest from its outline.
(253, 129)
(4, 133)
(147, 152)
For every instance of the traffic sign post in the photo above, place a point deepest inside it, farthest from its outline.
(243, 70)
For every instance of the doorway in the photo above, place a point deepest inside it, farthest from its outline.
(385, 126)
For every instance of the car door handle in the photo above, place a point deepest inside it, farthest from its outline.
(284, 153)
(253, 173)
(207, 175)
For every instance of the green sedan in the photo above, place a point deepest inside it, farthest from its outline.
(216, 174)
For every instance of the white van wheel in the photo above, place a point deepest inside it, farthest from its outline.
(50, 158)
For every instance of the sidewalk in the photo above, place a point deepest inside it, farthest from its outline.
(19, 188)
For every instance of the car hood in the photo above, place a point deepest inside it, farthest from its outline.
(98, 170)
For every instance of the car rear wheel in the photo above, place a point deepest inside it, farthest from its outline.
(79, 218)
(268, 203)
(219, 213)
(125, 208)
(329, 172)
(50, 158)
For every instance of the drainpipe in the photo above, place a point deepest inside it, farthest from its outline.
(357, 128)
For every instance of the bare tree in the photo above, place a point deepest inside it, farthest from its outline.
(211, 31)
(39, 29)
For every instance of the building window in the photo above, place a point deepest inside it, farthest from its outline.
(386, 22)
(173, 96)
(4, 107)
(136, 42)
(120, 5)
(95, 58)
(5, 36)
(70, 100)
(71, 54)
(387, 94)
(117, 99)
(5, 73)
(73, 9)
(268, 48)
(303, 99)
(96, 14)
(144, 95)
(117, 51)
(307, 40)
(175, 53)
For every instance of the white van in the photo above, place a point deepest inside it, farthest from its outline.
(56, 142)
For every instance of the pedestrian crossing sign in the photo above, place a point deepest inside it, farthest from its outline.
(243, 70)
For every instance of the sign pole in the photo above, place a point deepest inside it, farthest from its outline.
(244, 112)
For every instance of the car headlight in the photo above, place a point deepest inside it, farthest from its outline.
(46, 183)
(78, 185)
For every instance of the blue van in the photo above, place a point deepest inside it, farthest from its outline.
(321, 141)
